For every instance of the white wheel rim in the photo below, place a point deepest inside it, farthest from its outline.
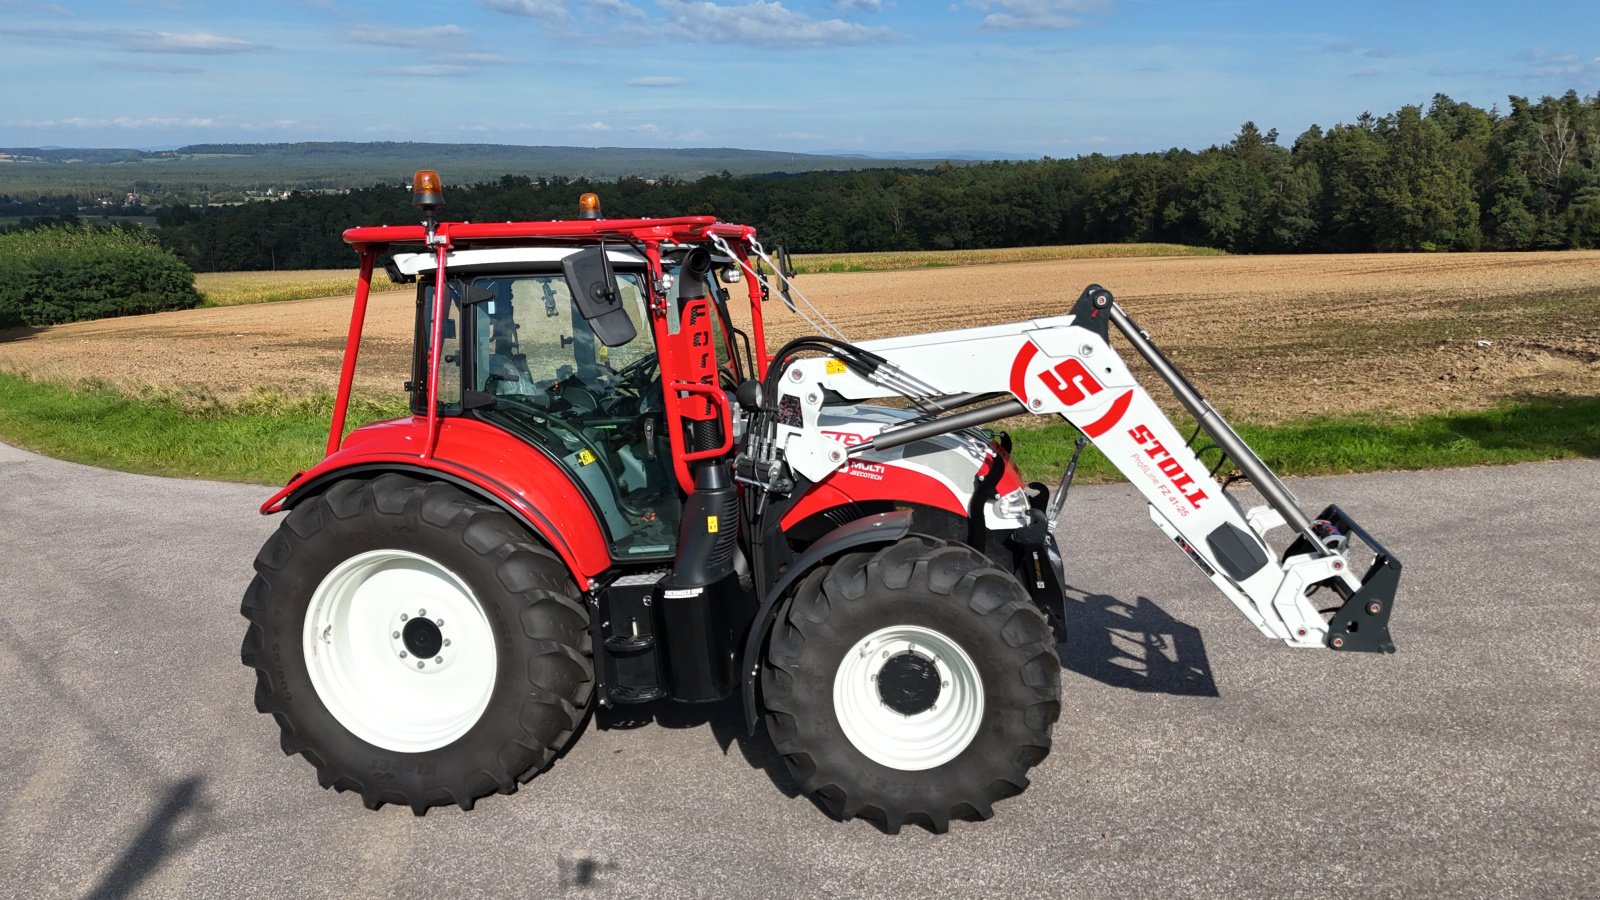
(924, 739)
(369, 676)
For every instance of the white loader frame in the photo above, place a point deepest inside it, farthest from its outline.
(1065, 365)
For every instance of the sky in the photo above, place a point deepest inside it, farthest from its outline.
(1021, 78)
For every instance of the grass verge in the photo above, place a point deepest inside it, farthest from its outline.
(266, 439)
(819, 263)
(262, 440)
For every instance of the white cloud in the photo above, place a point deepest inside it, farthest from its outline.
(419, 38)
(438, 70)
(595, 126)
(657, 81)
(1035, 14)
(1544, 64)
(121, 122)
(616, 7)
(763, 22)
(862, 5)
(186, 42)
(183, 42)
(553, 10)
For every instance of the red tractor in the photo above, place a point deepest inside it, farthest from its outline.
(608, 493)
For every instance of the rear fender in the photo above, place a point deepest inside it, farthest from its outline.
(525, 482)
(883, 528)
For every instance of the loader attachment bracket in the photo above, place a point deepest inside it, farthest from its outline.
(1362, 623)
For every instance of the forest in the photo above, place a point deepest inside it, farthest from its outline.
(1450, 176)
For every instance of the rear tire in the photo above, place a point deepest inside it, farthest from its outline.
(915, 684)
(397, 702)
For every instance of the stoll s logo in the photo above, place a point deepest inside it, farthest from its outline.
(1070, 382)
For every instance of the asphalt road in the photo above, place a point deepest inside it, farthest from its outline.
(1194, 758)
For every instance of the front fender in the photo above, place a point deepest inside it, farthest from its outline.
(883, 528)
(484, 461)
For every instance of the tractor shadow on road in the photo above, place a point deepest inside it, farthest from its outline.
(726, 720)
(1137, 645)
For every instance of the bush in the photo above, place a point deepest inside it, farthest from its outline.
(67, 274)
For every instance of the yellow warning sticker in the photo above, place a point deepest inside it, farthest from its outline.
(834, 367)
(711, 524)
(585, 457)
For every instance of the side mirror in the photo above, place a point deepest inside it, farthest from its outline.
(780, 255)
(594, 288)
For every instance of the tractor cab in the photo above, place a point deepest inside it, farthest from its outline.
(518, 353)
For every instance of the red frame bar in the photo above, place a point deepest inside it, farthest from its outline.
(439, 278)
(352, 348)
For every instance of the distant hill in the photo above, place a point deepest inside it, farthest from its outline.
(340, 164)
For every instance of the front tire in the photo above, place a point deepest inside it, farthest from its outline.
(915, 684)
(414, 645)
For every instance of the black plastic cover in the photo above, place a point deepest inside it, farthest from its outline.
(1239, 554)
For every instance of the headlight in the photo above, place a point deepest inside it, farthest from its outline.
(1013, 506)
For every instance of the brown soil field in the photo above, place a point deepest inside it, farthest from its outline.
(1266, 338)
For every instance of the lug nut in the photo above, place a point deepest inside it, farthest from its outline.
(439, 622)
(438, 659)
(422, 612)
(396, 635)
(420, 663)
(447, 642)
(402, 654)
(404, 617)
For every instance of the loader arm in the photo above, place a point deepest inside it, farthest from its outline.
(1066, 366)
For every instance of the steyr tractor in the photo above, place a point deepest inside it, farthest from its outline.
(607, 492)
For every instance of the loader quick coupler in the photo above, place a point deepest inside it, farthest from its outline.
(1361, 623)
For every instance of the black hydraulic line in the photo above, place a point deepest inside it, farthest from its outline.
(905, 434)
(956, 401)
(1221, 432)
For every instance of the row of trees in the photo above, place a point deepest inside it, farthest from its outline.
(1450, 177)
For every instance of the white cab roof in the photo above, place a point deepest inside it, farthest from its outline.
(413, 263)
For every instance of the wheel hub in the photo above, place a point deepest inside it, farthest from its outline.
(908, 697)
(422, 638)
(909, 683)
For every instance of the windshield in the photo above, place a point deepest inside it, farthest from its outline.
(530, 334)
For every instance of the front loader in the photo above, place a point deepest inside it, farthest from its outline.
(608, 492)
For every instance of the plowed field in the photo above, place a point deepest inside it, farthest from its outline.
(1266, 338)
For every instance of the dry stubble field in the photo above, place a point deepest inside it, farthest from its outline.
(1267, 338)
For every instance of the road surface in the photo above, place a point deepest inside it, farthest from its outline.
(1194, 758)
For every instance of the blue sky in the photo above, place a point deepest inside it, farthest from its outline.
(1021, 77)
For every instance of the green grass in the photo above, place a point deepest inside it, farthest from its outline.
(262, 440)
(1532, 429)
(826, 263)
(266, 439)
